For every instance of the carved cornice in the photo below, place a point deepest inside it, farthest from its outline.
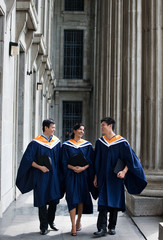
(47, 61)
(29, 7)
(42, 69)
(26, 16)
(39, 40)
(38, 49)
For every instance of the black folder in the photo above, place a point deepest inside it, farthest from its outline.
(45, 160)
(120, 165)
(78, 160)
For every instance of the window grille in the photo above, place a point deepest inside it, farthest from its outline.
(74, 5)
(72, 114)
(73, 54)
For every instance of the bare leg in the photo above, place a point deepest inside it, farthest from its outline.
(72, 217)
(80, 211)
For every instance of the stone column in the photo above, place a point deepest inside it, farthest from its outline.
(132, 64)
(116, 62)
(98, 65)
(108, 73)
(153, 95)
(151, 201)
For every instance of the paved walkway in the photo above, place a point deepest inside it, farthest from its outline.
(20, 221)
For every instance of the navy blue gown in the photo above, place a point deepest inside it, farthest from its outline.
(46, 186)
(111, 188)
(77, 185)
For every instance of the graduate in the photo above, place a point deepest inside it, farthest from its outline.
(39, 171)
(109, 150)
(78, 178)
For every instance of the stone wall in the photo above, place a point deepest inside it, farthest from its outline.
(23, 107)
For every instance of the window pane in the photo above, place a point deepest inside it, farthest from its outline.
(74, 5)
(73, 54)
(72, 114)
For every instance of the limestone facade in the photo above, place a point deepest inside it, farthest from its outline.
(22, 106)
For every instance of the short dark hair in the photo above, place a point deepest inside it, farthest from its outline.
(109, 121)
(76, 126)
(46, 123)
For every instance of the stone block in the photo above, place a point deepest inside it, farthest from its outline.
(160, 231)
(139, 205)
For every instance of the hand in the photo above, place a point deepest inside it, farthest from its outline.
(78, 169)
(41, 168)
(95, 181)
(121, 174)
(44, 169)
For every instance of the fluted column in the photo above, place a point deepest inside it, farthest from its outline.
(153, 95)
(99, 68)
(116, 63)
(108, 75)
(132, 79)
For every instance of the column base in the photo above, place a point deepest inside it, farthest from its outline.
(139, 205)
(160, 231)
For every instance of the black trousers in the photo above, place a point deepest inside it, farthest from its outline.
(47, 214)
(102, 219)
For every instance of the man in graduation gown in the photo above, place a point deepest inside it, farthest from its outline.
(108, 150)
(42, 177)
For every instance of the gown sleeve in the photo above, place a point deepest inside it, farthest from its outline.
(91, 172)
(27, 175)
(63, 167)
(64, 159)
(100, 166)
(135, 180)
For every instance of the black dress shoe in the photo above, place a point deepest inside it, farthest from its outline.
(111, 231)
(43, 231)
(53, 226)
(100, 233)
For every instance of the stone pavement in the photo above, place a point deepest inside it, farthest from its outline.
(20, 221)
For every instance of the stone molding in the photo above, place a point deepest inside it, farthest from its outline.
(34, 53)
(74, 89)
(47, 61)
(29, 7)
(26, 16)
(154, 187)
(39, 39)
(38, 47)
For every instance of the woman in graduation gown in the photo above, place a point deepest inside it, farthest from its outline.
(78, 179)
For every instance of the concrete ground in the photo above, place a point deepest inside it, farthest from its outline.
(20, 221)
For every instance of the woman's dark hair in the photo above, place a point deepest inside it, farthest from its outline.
(76, 126)
(46, 123)
(109, 121)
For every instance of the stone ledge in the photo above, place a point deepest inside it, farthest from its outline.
(139, 205)
(27, 6)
